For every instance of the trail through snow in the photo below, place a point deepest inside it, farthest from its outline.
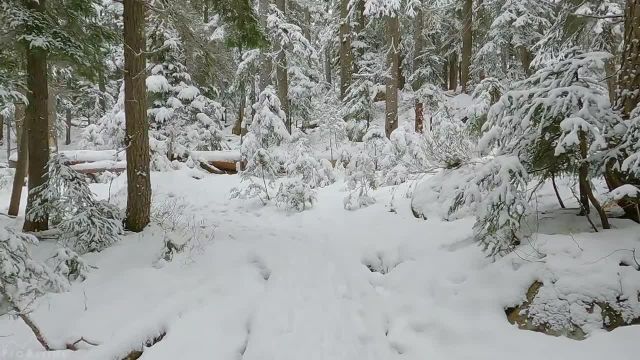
(325, 284)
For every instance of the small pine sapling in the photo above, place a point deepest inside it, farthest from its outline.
(498, 192)
(295, 194)
(86, 224)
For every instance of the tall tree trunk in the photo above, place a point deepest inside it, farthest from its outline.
(267, 68)
(205, 12)
(37, 123)
(629, 78)
(22, 161)
(67, 137)
(53, 118)
(610, 73)
(281, 73)
(346, 66)
(418, 46)
(327, 64)
(445, 75)
(2, 128)
(467, 39)
(103, 89)
(627, 95)
(453, 71)
(135, 109)
(393, 78)
(19, 175)
(8, 124)
(237, 126)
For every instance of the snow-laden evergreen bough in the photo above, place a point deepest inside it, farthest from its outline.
(22, 279)
(86, 224)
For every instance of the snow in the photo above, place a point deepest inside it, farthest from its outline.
(220, 155)
(261, 283)
(157, 84)
(79, 156)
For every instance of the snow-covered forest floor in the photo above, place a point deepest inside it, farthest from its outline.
(257, 282)
(261, 283)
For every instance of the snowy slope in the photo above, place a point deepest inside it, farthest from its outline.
(273, 285)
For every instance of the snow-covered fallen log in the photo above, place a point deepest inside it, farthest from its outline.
(82, 156)
(226, 160)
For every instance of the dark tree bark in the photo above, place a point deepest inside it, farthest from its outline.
(37, 123)
(418, 46)
(267, 68)
(627, 95)
(237, 126)
(103, 89)
(137, 137)
(629, 78)
(467, 43)
(21, 167)
(393, 78)
(282, 74)
(525, 59)
(67, 137)
(453, 71)
(346, 66)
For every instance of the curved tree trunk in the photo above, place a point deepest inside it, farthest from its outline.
(135, 109)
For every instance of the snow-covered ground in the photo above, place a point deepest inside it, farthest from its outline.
(258, 283)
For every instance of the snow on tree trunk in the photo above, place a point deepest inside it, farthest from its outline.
(37, 122)
(467, 39)
(392, 79)
(137, 138)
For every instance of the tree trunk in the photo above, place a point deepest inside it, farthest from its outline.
(137, 137)
(205, 12)
(37, 123)
(346, 66)
(445, 75)
(525, 58)
(327, 64)
(583, 176)
(267, 68)
(281, 73)
(393, 78)
(67, 137)
(21, 171)
(2, 128)
(418, 46)
(467, 39)
(103, 89)
(587, 182)
(453, 71)
(629, 78)
(555, 190)
(610, 73)
(53, 118)
(8, 124)
(237, 126)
